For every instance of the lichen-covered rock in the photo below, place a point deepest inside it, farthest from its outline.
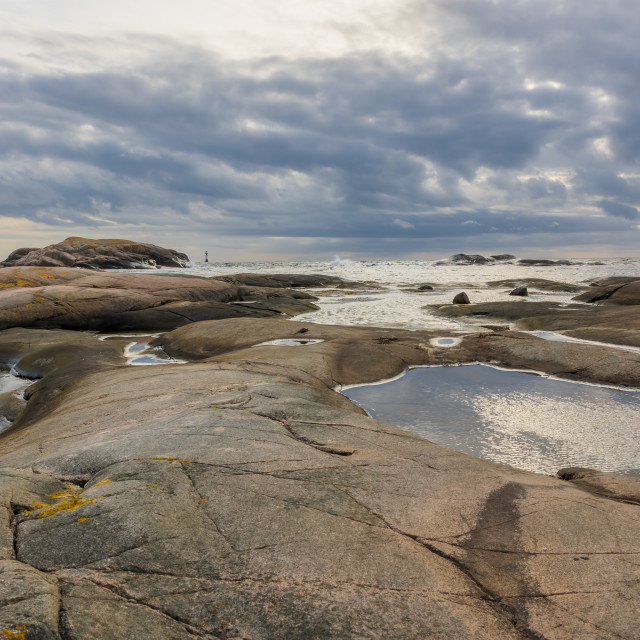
(243, 498)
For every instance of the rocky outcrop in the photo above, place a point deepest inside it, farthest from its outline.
(543, 262)
(521, 292)
(538, 283)
(625, 488)
(79, 299)
(293, 281)
(465, 259)
(98, 254)
(240, 497)
(461, 298)
(619, 293)
(615, 324)
(503, 257)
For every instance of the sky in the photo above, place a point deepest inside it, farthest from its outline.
(284, 130)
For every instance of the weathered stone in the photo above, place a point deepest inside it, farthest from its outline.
(541, 262)
(240, 496)
(291, 280)
(615, 324)
(467, 259)
(522, 292)
(503, 256)
(624, 293)
(245, 498)
(611, 485)
(538, 283)
(52, 298)
(461, 298)
(98, 254)
(29, 603)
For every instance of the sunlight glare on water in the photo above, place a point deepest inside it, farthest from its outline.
(526, 421)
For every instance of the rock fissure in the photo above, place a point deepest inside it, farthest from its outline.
(199, 502)
(125, 595)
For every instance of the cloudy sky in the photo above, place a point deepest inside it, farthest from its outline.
(279, 129)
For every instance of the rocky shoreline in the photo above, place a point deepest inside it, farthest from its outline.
(239, 496)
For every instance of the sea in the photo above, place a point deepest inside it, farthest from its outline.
(388, 302)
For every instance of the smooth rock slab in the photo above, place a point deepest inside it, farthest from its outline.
(239, 500)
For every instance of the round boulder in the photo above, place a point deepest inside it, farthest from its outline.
(461, 298)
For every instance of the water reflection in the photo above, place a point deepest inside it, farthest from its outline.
(524, 420)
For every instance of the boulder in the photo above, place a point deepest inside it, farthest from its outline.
(520, 291)
(502, 257)
(98, 254)
(461, 298)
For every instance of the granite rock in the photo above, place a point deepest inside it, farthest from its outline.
(98, 254)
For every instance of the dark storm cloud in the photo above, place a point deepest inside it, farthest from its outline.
(518, 107)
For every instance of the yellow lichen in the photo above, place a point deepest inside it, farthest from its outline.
(67, 501)
(15, 633)
(19, 283)
(82, 519)
(105, 481)
(153, 485)
(37, 505)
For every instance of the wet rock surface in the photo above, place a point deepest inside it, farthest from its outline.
(98, 254)
(612, 485)
(540, 284)
(240, 496)
(614, 324)
(461, 298)
(620, 293)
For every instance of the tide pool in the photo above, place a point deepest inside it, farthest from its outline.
(527, 421)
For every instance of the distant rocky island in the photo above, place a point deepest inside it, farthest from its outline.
(97, 254)
(474, 258)
(237, 495)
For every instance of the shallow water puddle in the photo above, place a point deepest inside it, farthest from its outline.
(10, 382)
(445, 342)
(138, 352)
(288, 342)
(524, 420)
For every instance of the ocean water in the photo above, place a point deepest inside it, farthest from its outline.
(394, 307)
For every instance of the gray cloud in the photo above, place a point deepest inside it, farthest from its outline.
(619, 210)
(518, 110)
